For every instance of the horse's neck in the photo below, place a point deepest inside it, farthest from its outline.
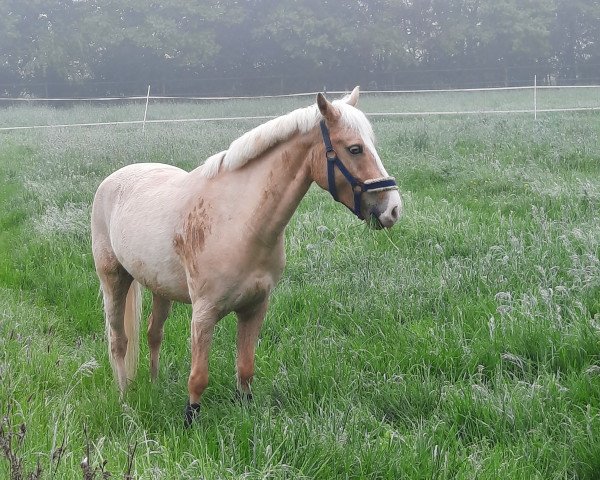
(264, 194)
(280, 181)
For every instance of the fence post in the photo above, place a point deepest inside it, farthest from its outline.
(535, 97)
(146, 110)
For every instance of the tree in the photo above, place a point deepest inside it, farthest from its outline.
(117, 47)
(139, 41)
(576, 38)
(44, 41)
(516, 33)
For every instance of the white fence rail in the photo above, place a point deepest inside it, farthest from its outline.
(532, 92)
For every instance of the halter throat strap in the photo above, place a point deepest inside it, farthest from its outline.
(358, 187)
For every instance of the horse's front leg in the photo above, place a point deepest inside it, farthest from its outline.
(249, 323)
(204, 319)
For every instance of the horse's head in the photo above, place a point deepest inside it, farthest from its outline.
(352, 170)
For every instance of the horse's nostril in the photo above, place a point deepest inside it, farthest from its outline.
(395, 212)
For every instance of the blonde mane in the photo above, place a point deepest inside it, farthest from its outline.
(256, 141)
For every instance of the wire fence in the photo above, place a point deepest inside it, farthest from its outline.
(532, 99)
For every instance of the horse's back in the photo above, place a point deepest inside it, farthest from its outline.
(135, 175)
(131, 181)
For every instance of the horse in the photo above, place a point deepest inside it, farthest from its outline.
(214, 237)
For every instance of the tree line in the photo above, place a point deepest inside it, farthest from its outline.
(109, 47)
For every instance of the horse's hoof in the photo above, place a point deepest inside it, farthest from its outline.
(243, 397)
(191, 412)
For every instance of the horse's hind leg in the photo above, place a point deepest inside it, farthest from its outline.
(160, 310)
(115, 282)
(249, 324)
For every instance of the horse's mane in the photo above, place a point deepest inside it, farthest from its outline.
(256, 141)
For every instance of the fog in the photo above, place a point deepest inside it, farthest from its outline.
(93, 47)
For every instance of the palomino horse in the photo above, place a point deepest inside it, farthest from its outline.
(213, 237)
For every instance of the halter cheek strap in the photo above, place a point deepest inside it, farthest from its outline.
(358, 187)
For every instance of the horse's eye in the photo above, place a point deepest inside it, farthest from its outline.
(355, 149)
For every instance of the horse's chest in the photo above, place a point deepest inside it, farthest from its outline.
(252, 291)
(227, 268)
(257, 283)
(250, 283)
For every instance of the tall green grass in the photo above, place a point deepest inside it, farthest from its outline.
(463, 343)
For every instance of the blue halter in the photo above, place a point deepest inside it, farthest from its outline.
(358, 187)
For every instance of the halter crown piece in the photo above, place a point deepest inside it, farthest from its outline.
(358, 187)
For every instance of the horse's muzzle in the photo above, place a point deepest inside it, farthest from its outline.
(390, 214)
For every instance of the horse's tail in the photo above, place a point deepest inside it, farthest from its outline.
(133, 314)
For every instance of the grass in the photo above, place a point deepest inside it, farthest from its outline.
(23, 113)
(464, 343)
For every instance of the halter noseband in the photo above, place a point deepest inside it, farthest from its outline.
(358, 187)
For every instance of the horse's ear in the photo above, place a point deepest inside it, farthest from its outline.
(326, 108)
(353, 97)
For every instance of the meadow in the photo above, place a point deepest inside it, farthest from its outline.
(464, 343)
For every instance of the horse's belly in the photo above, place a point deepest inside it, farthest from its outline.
(157, 269)
(168, 283)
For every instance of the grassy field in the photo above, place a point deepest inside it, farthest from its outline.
(22, 113)
(464, 343)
